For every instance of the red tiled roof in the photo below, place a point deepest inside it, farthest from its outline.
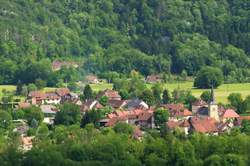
(171, 124)
(145, 116)
(199, 102)
(185, 123)
(204, 125)
(52, 95)
(116, 103)
(174, 107)
(230, 113)
(37, 94)
(109, 93)
(23, 105)
(62, 91)
(244, 117)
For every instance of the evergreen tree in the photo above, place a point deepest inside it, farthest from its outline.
(19, 88)
(166, 97)
(87, 92)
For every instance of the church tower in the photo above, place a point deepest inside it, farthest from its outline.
(213, 107)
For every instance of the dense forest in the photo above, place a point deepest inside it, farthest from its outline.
(163, 36)
(79, 147)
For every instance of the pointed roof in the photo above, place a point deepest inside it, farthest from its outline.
(230, 113)
(212, 101)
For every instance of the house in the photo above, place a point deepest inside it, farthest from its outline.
(23, 105)
(177, 111)
(62, 92)
(26, 143)
(37, 97)
(153, 79)
(92, 79)
(198, 105)
(52, 98)
(67, 96)
(204, 125)
(142, 118)
(49, 112)
(91, 104)
(110, 94)
(184, 125)
(229, 115)
(135, 104)
(116, 104)
(146, 119)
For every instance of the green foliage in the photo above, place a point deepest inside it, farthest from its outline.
(206, 96)
(92, 116)
(166, 98)
(157, 91)
(103, 100)
(237, 102)
(116, 37)
(69, 114)
(123, 128)
(88, 93)
(5, 119)
(33, 114)
(161, 116)
(148, 96)
(40, 84)
(208, 77)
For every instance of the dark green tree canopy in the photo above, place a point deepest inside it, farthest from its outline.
(208, 77)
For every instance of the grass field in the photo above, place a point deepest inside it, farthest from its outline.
(221, 92)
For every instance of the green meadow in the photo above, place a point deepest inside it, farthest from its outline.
(221, 92)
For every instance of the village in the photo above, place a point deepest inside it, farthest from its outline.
(204, 117)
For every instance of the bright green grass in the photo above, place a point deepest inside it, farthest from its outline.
(8, 88)
(101, 86)
(221, 92)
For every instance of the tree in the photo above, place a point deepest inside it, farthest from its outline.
(19, 88)
(123, 128)
(236, 101)
(5, 119)
(92, 116)
(166, 98)
(33, 114)
(157, 91)
(32, 87)
(206, 96)
(247, 103)
(245, 127)
(69, 114)
(161, 116)
(208, 77)
(40, 84)
(148, 97)
(87, 92)
(103, 100)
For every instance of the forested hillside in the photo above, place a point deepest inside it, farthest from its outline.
(121, 35)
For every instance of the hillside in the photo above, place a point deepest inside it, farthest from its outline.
(116, 35)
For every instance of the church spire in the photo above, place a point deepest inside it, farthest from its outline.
(212, 98)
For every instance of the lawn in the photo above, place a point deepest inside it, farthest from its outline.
(221, 92)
